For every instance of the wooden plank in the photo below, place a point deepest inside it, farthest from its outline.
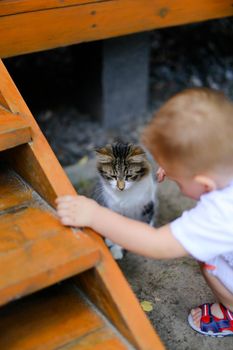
(14, 130)
(47, 320)
(45, 29)
(3, 103)
(37, 251)
(12, 191)
(28, 165)
(35, 161)
(102, 339)
(10, 7)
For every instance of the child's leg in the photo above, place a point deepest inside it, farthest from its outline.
(223, 295)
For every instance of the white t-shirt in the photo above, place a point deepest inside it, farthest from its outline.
(206, 231)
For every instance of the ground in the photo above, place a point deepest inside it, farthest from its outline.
(173, 287)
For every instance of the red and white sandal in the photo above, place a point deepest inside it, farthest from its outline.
(211, 325)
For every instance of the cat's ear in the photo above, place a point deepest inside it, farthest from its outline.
(138, 155)
(102, 155)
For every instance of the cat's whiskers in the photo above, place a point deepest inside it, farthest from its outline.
(98, 192)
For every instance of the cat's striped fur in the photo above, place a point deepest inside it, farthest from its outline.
(127, 183)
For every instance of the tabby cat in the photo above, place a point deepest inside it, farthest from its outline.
(127, 184)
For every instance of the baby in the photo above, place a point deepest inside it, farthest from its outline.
(191, 138)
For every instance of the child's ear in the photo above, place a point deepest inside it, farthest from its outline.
(208, 183)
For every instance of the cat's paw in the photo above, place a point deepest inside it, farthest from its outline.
(108, 242)
(117, 252)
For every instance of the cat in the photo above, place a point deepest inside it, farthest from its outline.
(127, 184)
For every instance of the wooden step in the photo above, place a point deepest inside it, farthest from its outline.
(36, 252)
(13, 191)
(59, 317)
(35, 249)
(14, 130)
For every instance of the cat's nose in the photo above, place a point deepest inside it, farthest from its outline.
(121, 184)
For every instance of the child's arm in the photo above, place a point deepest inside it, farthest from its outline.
(132, 235)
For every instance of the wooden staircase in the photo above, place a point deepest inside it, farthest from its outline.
(59, 287)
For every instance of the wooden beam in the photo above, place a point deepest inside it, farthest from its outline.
(3, 103)
(36, 28)
(14, 131)
(12, 7)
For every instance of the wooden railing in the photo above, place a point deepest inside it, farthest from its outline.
(34, 25)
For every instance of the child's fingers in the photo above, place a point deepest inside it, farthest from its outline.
(64, 199)
(64, 205)
(160, 178)
(65, 220)
(62, 211)
(64, 216)
(160, 174)
(74, 210)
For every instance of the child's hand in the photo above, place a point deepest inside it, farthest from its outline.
(160, 175)
(76, 210)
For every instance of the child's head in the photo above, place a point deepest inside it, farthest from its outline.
(193, 132)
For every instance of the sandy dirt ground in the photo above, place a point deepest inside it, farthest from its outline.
(173, 287)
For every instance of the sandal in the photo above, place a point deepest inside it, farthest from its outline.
(211, 325)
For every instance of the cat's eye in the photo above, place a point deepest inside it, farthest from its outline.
(131, 177)
(107, 177)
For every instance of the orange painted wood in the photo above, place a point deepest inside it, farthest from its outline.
(106, 286)
(14, 130)
(41, 29)
(48, 320)
(3, 103)
(35, 161)
(35, 249)
(10, 7)
(102, 339)
(12, 192)
(25, 162)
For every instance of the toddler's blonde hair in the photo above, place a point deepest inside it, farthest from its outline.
(193, 129)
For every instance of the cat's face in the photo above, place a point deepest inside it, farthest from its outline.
(122, 165)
